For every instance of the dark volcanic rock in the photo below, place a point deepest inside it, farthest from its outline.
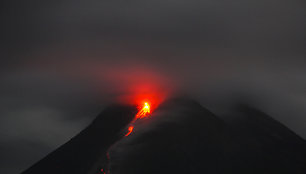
(261, 144)
(80, 154)
(180, 137)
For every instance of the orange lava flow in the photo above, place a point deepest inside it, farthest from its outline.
(130, 131)
(145, 110)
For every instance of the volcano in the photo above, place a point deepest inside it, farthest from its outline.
(180, 136)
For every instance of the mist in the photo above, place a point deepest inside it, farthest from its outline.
(62, 62)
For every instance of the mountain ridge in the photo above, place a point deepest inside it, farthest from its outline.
(181, 136)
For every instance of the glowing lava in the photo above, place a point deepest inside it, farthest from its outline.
(130, 131)
(144, 111)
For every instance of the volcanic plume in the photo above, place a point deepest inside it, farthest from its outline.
(180, 136)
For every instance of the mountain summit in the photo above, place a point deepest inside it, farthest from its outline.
(180, 136)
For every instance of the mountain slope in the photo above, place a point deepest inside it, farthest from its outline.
(263, 145)
(78, 155)
(180, 136)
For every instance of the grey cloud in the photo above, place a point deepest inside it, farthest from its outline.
(218, 52)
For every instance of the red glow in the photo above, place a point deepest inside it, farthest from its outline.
(153, 99)
(145, 110)
(130, 130)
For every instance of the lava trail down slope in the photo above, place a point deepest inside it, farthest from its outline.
(180, 136)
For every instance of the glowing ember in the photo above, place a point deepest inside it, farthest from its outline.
(144, 111)
(130, 130)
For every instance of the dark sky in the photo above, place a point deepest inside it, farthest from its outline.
(63, 61)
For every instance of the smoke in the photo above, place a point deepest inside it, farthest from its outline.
(71, 58)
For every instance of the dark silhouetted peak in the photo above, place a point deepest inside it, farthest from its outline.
(272, 145)
(259, 121)
(79, 155)
(182, 102)
(114, 118)
(180, 136)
